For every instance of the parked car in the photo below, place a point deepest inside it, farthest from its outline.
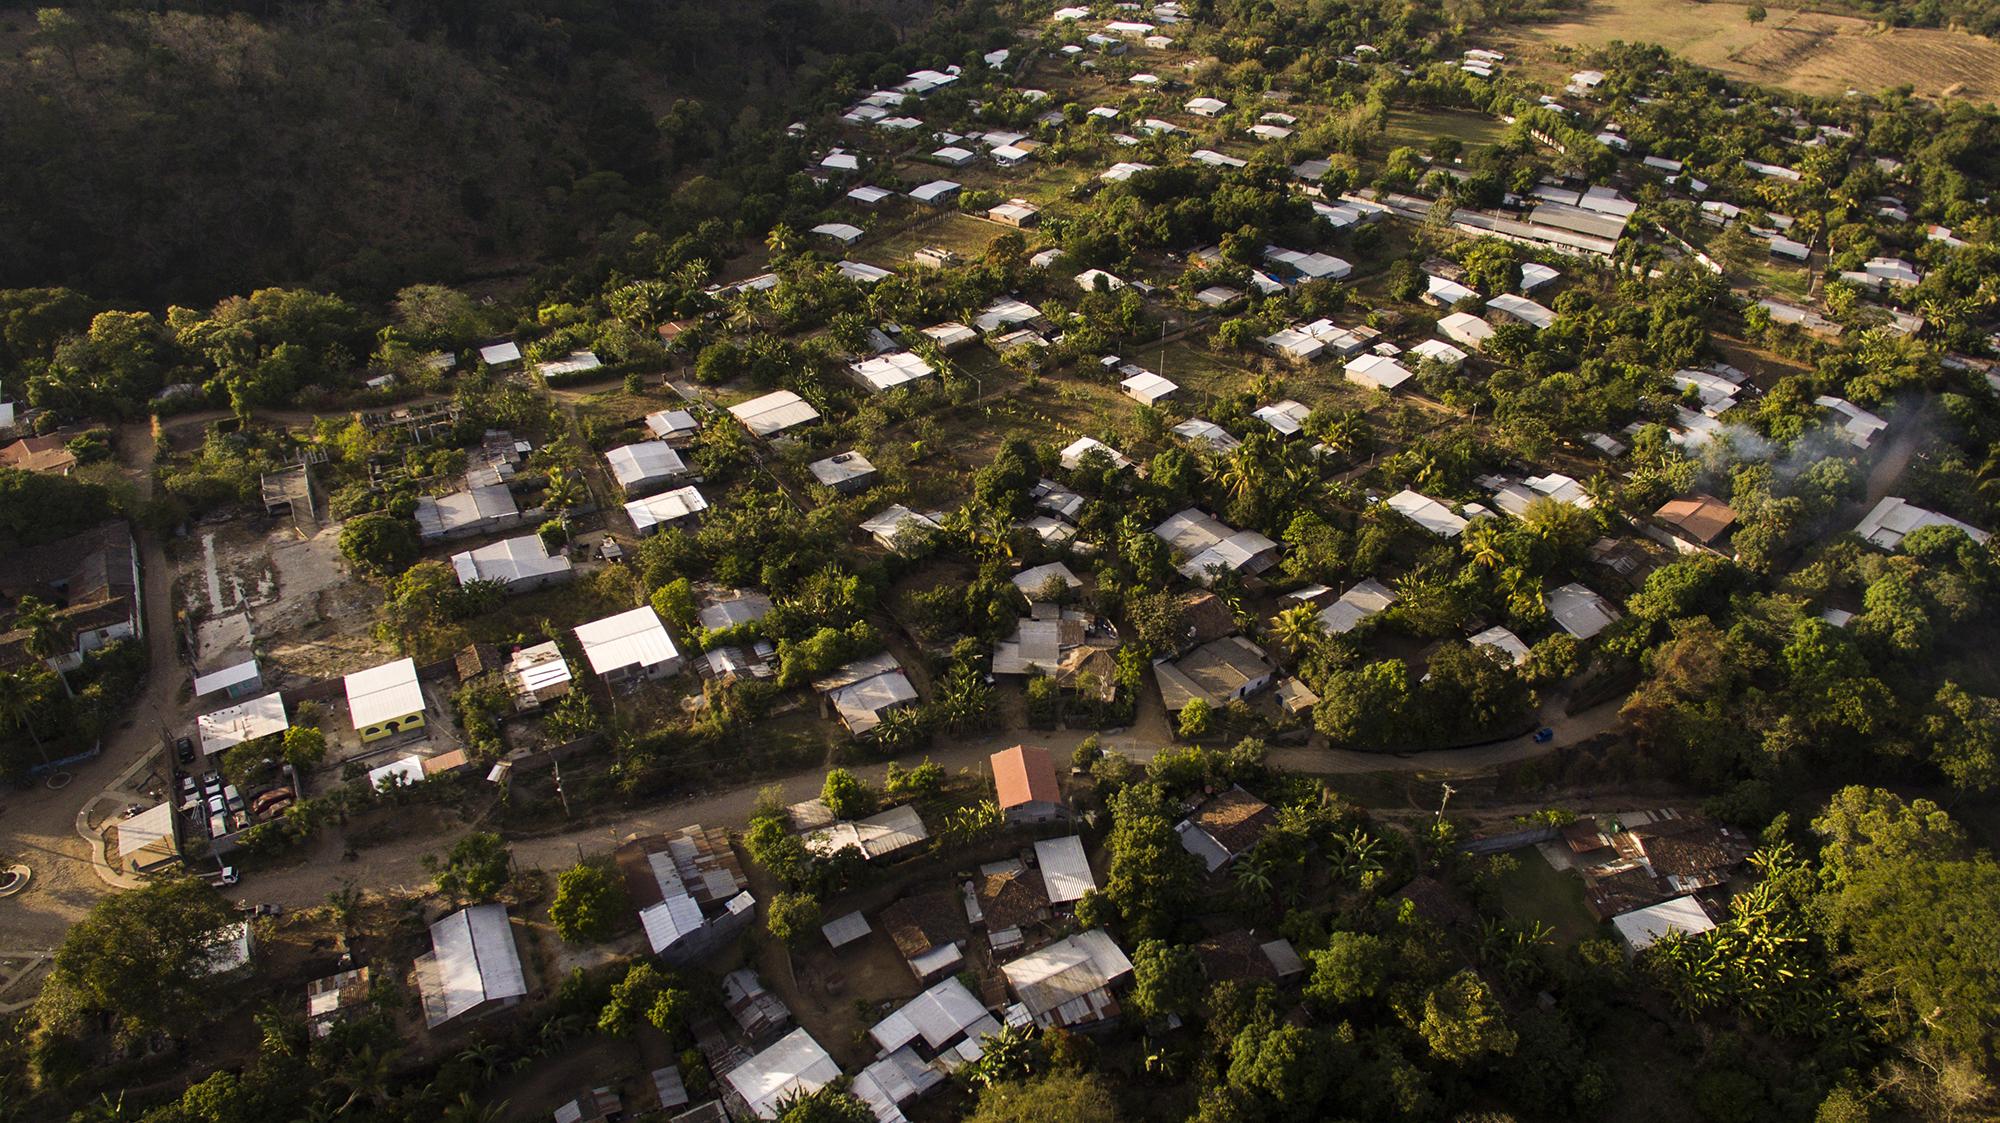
(184, 749)
(225, 876)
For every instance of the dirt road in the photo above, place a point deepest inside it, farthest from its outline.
(38, 824)
(399, 866)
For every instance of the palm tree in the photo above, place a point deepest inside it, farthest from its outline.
(1481, 543)
(1242, 473)
(781, 239)
(1253, 875)
(1297, 629)
(563, 494)
(365, 1075)
(20, 694)
(49, 637)
(484, 1056)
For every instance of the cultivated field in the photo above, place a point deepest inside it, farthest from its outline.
(1805, 51)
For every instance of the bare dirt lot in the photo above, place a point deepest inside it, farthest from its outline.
(1809, 52)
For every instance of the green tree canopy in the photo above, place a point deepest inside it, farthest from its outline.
(590, 905)
(141, 957)
(476, 867)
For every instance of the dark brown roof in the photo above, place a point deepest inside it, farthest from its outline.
(1620, 891)
(1585, 835)
(916, 924)
(475, 659)
(1011, 900)
(1207, 619)
(1695, 849)
(1235, 819)
(1235, 955)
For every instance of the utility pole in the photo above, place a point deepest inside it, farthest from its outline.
(555, 766)
(1446, 798)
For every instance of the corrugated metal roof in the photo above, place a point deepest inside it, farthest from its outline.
(246, 721)
(796, 1063)
(671, 921)
(1065, 869)
(380, 693)
(473, 961)
(630, 639)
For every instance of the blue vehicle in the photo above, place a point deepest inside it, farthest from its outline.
(1544, 735)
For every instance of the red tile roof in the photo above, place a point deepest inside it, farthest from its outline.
(1025, 775)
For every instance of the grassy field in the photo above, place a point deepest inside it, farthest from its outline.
(1805, 51)
(1534, 890)
(1417, 128)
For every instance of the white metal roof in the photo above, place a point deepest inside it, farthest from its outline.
(225, 678)
(1031, 580)
(934, 190)
(380, 693)
(227, 728)
(1505, 641)
(862, 703)
(1534, 275)
(1208, 433)
(155, 824)
(869, 195)
(1071, 457)
(539, 666)
(1065, 869)
(644, 463)
(1640, 928)
(1378, 371)
(1005, 312)
(938, 1015)
(630, 639)
(843, 232)
(1148, 387)
(509, 561)
(1438, 350)
(1445, 290)
(396, 773)
(1466, 328)
(861, 272)
(1124, 170)
(1522, 309)
(666, 507)
(576, 362)
(774, 412)
(1427, 513)
(500, 354)
(1892, 519)
(475, 962)
(1287, 417)
(670, 920)
(1579, 611)
(1365, 599)
(672, 422)
(886, 372)
(795, 1064)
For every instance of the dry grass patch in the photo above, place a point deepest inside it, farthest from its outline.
(1810, 52)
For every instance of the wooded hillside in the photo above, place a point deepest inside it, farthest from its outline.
(195, 148)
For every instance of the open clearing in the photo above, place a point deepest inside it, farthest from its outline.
(1809, 52)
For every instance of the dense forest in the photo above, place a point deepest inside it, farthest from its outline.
(181, 150)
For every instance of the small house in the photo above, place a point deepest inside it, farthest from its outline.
(1025, 780)
(631, 646)
(644, 468)
(385, 700)
(1224, 827)
(1694, 524)
(473, 967)
(678, 507)
(1218, 672)
(774, 413)
(676, 427)
(518, 565)
(537, 675)
(845, 472)
(1069, 983)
